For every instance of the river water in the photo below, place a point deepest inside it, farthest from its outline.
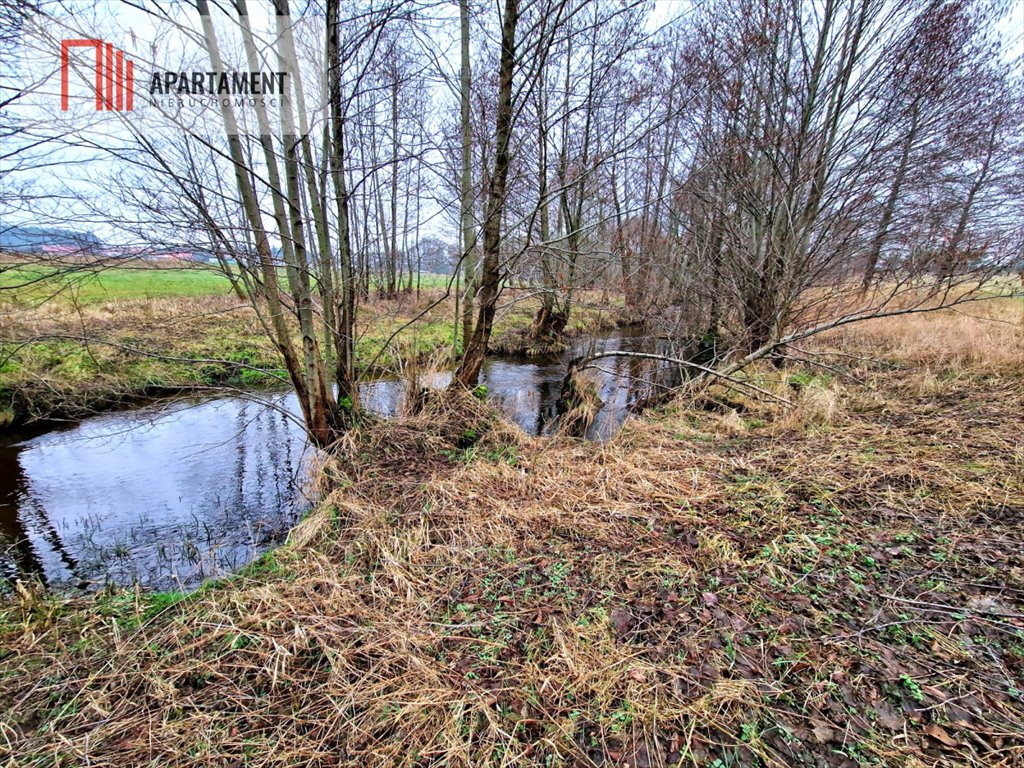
(174, 492)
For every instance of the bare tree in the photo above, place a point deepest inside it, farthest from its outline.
(476, 344)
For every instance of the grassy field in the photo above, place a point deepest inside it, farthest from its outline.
(126, 333)
(27, 284)
(32, 284)
(729, 582)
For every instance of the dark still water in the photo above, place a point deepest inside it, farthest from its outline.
(162, 495)
(173, 493)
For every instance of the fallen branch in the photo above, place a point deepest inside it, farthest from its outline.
(726, 373)
(581, 363)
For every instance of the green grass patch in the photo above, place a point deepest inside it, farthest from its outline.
(28, 284)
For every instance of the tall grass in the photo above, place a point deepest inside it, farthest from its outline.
(988, 333)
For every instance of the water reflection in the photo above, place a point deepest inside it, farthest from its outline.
(169, 495)
(165, 496)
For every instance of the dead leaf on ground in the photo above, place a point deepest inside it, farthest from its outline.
(822, 733)
(888, 717)
(939, 733)
(621, 621)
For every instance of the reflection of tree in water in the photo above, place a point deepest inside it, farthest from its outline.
(219, 522)
(624, 384)
(266, 501)
(20, 506)
(547, 400)
(241, 419)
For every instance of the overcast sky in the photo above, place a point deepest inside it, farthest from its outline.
(170, 43)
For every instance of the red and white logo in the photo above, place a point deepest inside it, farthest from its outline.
(115, 76)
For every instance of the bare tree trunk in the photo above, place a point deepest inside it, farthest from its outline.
(348, 392)
(322, 411)
(953, 255)
(574, 215)
(394, 278)
(269, 291)
(466, 182)
(317, 204)
(490, 277)
(544, 321)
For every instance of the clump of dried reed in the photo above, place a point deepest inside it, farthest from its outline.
(579, 404)
(419, 376)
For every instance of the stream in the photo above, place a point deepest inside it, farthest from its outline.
(174, 492)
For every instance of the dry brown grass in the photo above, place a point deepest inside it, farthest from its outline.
(840, 587)
(582, 404)
(985, 334)
(123, 316)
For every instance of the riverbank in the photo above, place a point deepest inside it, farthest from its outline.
(186, 488)
(64, 359)
(729, 582)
